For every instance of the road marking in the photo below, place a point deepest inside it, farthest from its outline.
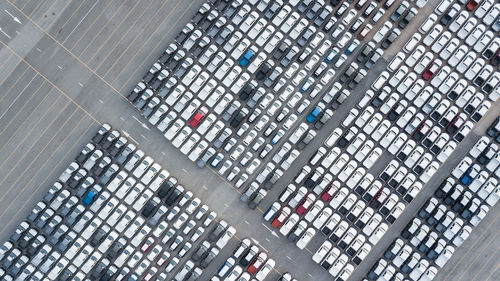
(247, 222)
(185, 171)
(142, 123)
(204, 187)
(60, 67)
(18, 96)
(38, 49)
(288, 257)
(128, 136)
(121, 118)
(14, 18)
(144, 137)
(101, 101)
(164, 154)
(272, 231)
(80, 84)
(225, 204)
(88, 12)
(309, 274)
(6, 35)
(267, 239)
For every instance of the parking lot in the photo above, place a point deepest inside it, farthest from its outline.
(129, 121)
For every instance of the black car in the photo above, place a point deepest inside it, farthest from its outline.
(303, 5)
(494, 129)
(246, 92)
(263, 71)
(165, 189)
(172, 198)
(150, 207)
(407, 18)
(238, 118)
(306, 36)
(390, 38)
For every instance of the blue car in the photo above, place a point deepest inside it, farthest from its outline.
(331, 55)
(89, 198)
(311, 118)
(245, 60)
(466, 178)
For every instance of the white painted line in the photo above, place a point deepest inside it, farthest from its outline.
(101, 101)
(60, 67)
(38, 49)
(163, 153)
(121, 118)
(185, 171)
(6, 35)
(268, 240)
(247, 222)
(204, 187)
(80, 84)
(88, 12)
(288, 257)
(20, 94)
(17, 32)
(225, 204)
(14, 18)
(309, 274)
(144, 137)
(142, 124)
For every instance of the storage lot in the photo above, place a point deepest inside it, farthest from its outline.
(102, 90)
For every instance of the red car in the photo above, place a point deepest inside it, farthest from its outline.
(472, 5)
(195, 121)
(431, 70)
(147, 244)
(261, 258)
(306, 204)
(278, 221)
(328, 194)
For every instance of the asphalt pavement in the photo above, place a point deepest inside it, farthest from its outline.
(65, 67)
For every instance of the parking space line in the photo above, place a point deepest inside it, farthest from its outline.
(223, 179)
(15, 83)
(493, 272)
(80, 22)
(133, 40)
(92, 24)
(472, 248)
(21, 208)
(32, 145)
(161, 41)
(112, 33)
(470, 263)
(50, 82)
(38, 6)
(69, 52)
(38, 155)
(20, 94)
(113, 48)
(19, 111)
(101, 29)
(493, 258)
(26, 134)
(4, 62)
(71, 16)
